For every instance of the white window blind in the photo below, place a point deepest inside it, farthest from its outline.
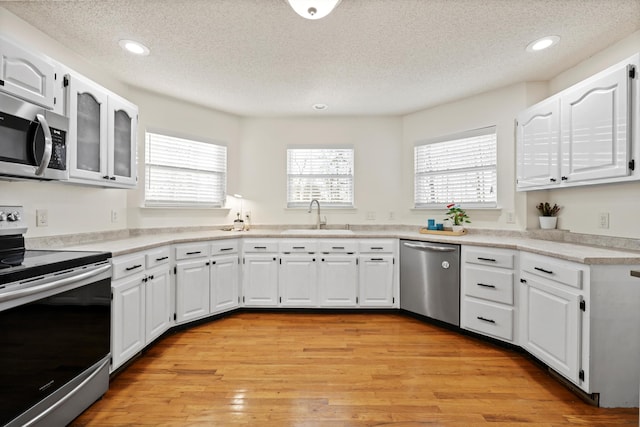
(325, 174)
(183, 172)
(459, 168)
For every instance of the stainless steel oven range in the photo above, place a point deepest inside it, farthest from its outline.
(55, 316)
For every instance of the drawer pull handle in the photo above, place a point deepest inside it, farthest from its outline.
(133, 267)
(543, 270)
(486, 286)
(259, 247)
(337, 247)
(194, 253)
(225, 249)
(377, 259)
(162, 258)
(486, 320)
(298, 247)
(487, 259)
(376, 248)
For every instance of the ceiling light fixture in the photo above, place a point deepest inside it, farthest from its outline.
(543, 43)
(320, 107)
(134, 47)
(313, 9)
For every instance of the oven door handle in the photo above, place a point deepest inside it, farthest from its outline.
(67, 396)
(55, 284)
(48, 145)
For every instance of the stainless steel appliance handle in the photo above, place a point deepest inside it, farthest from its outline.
(55, 284)
(48, 145)
(429, 247)
(67, 396)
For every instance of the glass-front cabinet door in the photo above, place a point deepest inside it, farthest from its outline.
(123, 121)
(87, 111)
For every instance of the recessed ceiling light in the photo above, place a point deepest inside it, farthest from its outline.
(543, 43)
(320, 107)
(134, 47)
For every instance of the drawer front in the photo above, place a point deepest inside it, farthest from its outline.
(127, 265)
(192, 250)
(326, 246)
(157, 257)
(488, 319)
(490, 284)
(550, 268)
(260, 246)
(298, 246)
(224, 247)
(373, 246)
(492, 257)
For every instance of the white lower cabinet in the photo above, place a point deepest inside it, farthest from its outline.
(297, 279)
(223, 279)
(141, 309)
(260, 280)
(376, 281)
(192, 290)
(337, 280)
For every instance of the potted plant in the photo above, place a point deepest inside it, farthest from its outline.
(457, 216)
(548, 215)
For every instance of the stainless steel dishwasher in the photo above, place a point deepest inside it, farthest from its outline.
(430, 280)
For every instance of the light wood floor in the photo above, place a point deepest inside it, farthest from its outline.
(317, 369)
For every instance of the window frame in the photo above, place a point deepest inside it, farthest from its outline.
(216, 204)
(324, 203)
(452, 139)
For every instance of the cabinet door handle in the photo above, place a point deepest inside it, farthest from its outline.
(225, 249)
(523, 281)
(486, 320)
(564, 178)
(552, 179)
(194, 253)
(487, 259)
(543, 270)
(486, 286)
(151, 277)
(133, 267)
(162, 258)
(112, 178)
(105, 177)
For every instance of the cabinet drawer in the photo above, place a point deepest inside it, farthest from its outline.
(298, 246)
(553, 269)
(224, 247)
(157, 257)
(192, 250)
(490, 284)
(260, 246)
(492, 257)
(489, 319)
(377, 246)
(337, 246)
(127, 265)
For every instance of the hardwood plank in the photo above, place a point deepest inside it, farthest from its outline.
(328, 369)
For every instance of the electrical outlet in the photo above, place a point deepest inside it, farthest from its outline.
(42, 218)
(511, 217)
(371, 216)
(603, 220)
(114, 216)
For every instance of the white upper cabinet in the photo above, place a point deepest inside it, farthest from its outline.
(26, 74)
(583, 135)
(596, 127)
(538, 135)
(102, 135)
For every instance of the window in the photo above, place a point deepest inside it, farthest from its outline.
(183, 172)
(325, 174)
(459, 168)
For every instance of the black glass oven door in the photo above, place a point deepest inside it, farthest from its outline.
(46, 343)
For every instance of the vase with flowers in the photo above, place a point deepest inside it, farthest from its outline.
(548, 215)
(457, 216)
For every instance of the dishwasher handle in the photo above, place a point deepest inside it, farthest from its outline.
(430, 247)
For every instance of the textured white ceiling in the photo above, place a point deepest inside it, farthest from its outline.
(369, 57)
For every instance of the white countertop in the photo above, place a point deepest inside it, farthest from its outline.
(567, 251)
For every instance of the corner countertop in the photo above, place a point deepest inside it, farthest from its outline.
(497, 239)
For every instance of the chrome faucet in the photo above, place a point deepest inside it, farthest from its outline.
(318, 221)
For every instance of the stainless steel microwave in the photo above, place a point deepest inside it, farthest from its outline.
(33, 141)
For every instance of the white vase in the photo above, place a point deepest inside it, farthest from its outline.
(457, 228)
(548, 222)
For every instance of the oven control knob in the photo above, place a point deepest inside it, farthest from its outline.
(13, 216)
(3, 216)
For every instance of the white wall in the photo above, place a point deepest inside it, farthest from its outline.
(376, 142)
(162, 114)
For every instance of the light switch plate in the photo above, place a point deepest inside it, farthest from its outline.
(42, 218)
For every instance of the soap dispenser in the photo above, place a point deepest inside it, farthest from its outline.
(238, 224)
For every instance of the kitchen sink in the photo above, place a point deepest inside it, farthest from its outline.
(316, 231)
